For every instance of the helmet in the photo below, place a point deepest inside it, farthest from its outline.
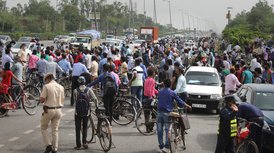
(81, 80)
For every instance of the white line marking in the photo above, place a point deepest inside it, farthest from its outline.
(71, 134)
(1, 145)
(13, 139)
(28, 131)
(38, 126)
(70, 110)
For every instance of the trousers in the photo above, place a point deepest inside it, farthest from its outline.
(225, 145)
(53, 116)
(81, 122)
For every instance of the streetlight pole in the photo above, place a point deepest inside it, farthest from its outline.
(145, 13)
(170, 17)
(155, 13)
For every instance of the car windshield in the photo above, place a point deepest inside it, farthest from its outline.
(82, 40)
(17, 45)
(3, 37)
(138, 42)
(24, 39)
(202, 78)
(64, 37)
(264, 100)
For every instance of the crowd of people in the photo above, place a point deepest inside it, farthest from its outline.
(142, 68)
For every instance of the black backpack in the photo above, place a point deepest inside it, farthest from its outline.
(82, 105)
(110, 85)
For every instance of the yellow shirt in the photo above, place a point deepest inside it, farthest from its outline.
(54, 94)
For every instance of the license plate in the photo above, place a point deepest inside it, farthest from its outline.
(199, 105)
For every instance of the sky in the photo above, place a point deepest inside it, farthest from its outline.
(202, 14)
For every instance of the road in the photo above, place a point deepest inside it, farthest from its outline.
(20, 133)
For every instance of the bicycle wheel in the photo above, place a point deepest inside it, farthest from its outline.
(247, 146)
(31, 99)
(104, 134)
(123, 112)
(172, 138)
(91, 130)
(3, 112)
(65, 82)
(135, 102)
(146, 121)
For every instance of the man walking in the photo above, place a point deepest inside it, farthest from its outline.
(52, 97)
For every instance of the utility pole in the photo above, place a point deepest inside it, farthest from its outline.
(145, 13)
(129, 15)
(94, 11)
(170, 17)
(154, 12)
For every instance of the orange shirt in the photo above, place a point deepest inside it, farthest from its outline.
(6, 77)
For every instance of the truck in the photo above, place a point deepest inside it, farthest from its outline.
(150, 34)
(87, 39)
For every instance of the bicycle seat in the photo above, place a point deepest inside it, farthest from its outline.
(100, 109)
(174, 114)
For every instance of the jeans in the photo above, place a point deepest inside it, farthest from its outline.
(78, 122)
(163, 121)
(138, 91)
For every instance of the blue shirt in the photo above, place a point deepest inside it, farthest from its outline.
(65, 65)
(102, 79)
(144, 71)
(249, 111)
(101, 64)
(42, 67)
(78, 69)
(166, 98)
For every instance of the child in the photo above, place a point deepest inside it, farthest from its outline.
(149, 93)
(82, 96)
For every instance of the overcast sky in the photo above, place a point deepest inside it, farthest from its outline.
(206, 13)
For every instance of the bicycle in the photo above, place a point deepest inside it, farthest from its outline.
(28, 96)
(123, 112)
(65, 81)
(35, 79)
(243, 143)
(176, 134)
(145, 121)
(103, 130)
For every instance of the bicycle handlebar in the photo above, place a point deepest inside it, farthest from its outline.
(249, 122)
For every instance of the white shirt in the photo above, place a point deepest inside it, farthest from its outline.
(88, 60)
(253, 64)
(138, 81)
(181, 84)
(226, 65)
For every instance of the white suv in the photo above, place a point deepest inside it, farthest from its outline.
(203, 87)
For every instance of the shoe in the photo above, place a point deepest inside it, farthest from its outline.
(48, 149)
(53, 151)
(165, 150)
(85, 146)
(77, 148)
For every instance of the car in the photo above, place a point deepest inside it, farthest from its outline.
(26, 39)
(16, 48)
(56, 39)
(110, 37)
(137, 43)
(204, 88)
(262, 96)
(5, 39)
(64, 39)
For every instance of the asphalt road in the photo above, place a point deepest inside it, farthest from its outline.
(20, 133)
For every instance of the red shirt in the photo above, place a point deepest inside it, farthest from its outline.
(149, 88)
(6, 77)
(78, 56)
(117, 64)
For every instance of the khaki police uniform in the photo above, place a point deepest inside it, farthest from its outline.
(54, 100)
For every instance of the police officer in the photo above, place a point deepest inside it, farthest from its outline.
(227, 126)
(253, 114)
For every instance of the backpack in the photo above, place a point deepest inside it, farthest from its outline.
(82, 104)
(110, 85)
